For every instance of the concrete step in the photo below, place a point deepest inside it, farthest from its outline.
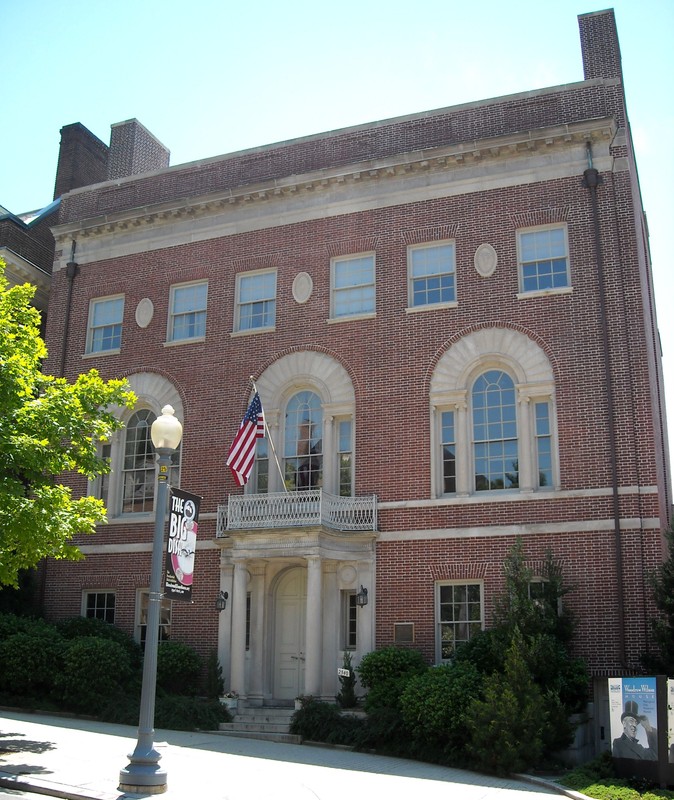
(270, 723)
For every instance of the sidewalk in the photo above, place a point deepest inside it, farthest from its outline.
(74, 758)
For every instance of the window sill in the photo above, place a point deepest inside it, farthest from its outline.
(252, 331)
(176, 342)
(432, 307)
(545, 292)
(98, 353)
(351, 317)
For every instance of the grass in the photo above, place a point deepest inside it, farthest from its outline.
(597, 779)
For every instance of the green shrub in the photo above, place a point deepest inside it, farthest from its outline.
(214, 684)
(347, 695)
(179, 713)
(94, 672)
(506, 726)
(386, 672)
(75, 627)
(178, 668)
(322, 722)
(14, 623)
(435, 707)
(384, 731)
(31, 660)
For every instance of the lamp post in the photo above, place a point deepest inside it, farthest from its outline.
(143, 774)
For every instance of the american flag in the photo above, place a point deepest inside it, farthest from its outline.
(242, 452)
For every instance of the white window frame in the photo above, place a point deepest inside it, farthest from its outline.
(439, 623)
(86, 593)
(365, 286)
(349, 626)
(94, 303)
(459, 402)
(412, 250)
(174, 316)
(266, 298)
(537, 292)
(154, 392)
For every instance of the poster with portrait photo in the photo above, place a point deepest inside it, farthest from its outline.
(670, 720)
(633, 713)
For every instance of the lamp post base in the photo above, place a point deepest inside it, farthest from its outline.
(143, 775)
(142, 780)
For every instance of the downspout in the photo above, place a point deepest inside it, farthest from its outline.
(591, 180)
(71, 272)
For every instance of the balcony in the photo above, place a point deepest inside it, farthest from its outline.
(297, 509)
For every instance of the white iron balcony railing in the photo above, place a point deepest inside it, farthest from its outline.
(297, 509)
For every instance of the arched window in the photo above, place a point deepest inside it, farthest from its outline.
(139, 465)
(494, 416)
(130, 486)
(495, 432)
(303, 443)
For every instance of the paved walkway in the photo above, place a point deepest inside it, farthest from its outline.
(76, 758)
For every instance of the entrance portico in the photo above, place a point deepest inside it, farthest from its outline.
(289, 589)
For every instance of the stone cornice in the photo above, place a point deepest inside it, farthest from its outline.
(409, 164)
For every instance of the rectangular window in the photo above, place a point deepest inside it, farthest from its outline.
(256, 301)
(142, 602)
(345, 457)
(432, 274)
(248, 621)
(448, 453)
(543, 259)
(458, 616)
(543, 444)
(100, 605)
(103, 482)
(104, 332)
(352, 286)
(261, 466)
(349, 621)
(187, 317)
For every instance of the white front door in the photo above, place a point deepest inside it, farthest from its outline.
(289, 628)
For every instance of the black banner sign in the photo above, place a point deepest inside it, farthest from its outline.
(181, 545)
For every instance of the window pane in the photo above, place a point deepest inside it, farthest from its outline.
(106, 325)
(543, 259)
(303, 444)
(353, 286)
(257, 301)
(433, 274)
(495, 444)
(459, 616)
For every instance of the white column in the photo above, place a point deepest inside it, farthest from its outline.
(524, 445)
(313, 655)
(465, 470)
(256, 690)
(238, 647)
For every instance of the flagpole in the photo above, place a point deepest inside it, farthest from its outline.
(271, 441)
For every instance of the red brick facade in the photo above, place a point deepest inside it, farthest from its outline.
(473, 175)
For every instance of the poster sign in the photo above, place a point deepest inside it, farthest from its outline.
(634, 718)
(181, 545)
(670, 719)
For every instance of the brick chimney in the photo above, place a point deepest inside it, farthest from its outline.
(599, 45)
(83, 159)
(134, 150)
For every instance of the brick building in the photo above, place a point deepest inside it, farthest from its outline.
(449, 317)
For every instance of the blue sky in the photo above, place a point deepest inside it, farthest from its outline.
(209, 77)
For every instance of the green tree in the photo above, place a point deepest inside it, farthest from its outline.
(48, 427)
(661, 659)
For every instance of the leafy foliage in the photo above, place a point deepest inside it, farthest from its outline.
(30, 659)
(435, 705)
(74, 627)
(661, 659)
(322, 722)
(215, 685)
(386, 672)
(94, 670)
(178, 668)
(506, 726)
(347, 694)
(47, 427)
